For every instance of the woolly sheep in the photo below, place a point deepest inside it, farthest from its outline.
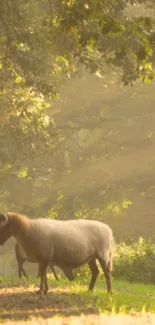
(69, 243)
(21, 257)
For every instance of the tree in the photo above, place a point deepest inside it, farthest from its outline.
(42, 44)
(104, 33)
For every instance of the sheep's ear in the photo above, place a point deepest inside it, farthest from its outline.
(3, 220)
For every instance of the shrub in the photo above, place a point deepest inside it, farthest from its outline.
(135, 262)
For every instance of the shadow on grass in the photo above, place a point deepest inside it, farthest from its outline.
(19, 301)
(21, 304)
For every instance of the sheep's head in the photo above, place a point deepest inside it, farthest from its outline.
(69, 273)
(4, 228)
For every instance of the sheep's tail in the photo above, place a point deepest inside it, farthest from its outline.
(109, 252)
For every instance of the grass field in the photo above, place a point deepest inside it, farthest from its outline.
(71, 303)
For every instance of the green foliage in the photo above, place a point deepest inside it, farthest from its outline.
(118, 208)
(102, 32)
(135, 262)
(54, 211)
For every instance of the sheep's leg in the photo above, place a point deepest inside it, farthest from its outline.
(107, 272)
(21, 270)
(53, 270)
(94, 272)
(38, 275)
(24, 273)
(43, 281)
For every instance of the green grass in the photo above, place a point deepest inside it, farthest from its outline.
(127, 297)
(72, 298)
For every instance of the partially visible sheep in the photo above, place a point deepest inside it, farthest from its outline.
(69, 243)
(22, 257)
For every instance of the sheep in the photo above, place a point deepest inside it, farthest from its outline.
(22, 257)
(69, 243)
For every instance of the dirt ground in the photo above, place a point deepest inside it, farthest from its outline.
(23, 304)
